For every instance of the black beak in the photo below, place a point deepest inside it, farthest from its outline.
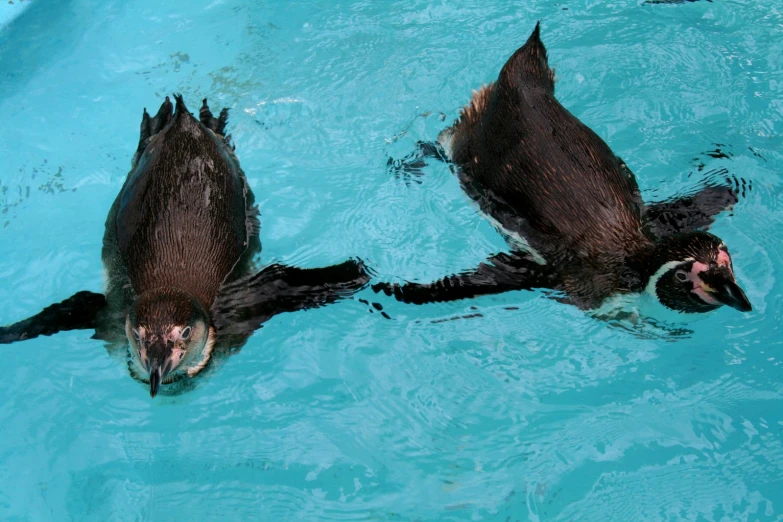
(156, 376)
(730, 294)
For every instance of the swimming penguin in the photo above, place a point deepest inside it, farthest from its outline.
(570, 209)
(178, 250)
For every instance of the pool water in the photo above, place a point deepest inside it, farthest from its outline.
(521, 408)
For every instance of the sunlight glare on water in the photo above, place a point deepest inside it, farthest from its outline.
(530, 409)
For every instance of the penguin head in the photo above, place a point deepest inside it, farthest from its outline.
(696, 275)
(169, 334)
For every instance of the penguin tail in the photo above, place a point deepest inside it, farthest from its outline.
(168, 111)
(530, 62)
(151, 126)
(216, 125)
(180, 107)
(181, 113)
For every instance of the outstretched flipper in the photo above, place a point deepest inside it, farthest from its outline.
(501, 273)
(695, 211)
(244, 305)
(411, 166)
(81, 311)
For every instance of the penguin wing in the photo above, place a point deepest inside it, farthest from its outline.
(244, 305)
(696, 211)
(81, 311)
(501, 273)
(411, 167)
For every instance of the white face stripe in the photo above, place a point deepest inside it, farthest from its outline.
(206, 354)
(651, 285)
(188, 364)
(445, 139)
(137, 358)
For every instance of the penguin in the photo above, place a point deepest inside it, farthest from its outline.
(178, 251)
(569, 208)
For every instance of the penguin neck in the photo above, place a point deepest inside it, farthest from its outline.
(650, 260)
(168, 298)
(646, 260)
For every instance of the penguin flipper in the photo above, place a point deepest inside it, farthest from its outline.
(244, 305)
(696, 211)
(81, 311)
(500, 273)
(411, 166)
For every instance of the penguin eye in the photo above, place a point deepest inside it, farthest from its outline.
(185, 335)
(681, 276)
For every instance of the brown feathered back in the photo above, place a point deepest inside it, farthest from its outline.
(181, 221)
(539, 170)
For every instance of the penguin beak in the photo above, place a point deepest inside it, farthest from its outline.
(156, 377)
(730, 294)
(160, 364)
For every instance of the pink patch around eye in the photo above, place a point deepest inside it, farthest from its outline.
(724, 259)
(696, 269)
(177, 355)
(704, 296)
(698, 283)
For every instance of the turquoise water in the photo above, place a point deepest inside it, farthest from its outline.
(535, 413)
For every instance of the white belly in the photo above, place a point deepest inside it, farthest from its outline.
(516, 241)
(642, 310)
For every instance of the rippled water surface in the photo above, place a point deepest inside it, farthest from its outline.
(530, 410)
